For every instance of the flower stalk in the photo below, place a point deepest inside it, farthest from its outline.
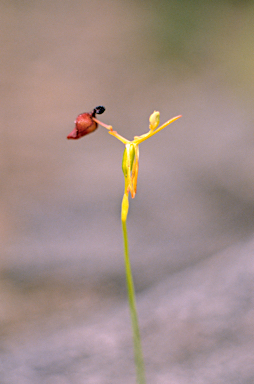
(138, 354)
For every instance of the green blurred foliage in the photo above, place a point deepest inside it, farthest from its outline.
(190, 32)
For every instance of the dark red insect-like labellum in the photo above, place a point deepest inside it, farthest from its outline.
(84, 124)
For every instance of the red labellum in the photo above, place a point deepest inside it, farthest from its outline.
(84, 124)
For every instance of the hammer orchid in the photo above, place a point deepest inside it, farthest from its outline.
(87, 123)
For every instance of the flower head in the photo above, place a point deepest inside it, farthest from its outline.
(86, 123)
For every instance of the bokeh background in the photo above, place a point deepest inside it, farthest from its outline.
(63, 307)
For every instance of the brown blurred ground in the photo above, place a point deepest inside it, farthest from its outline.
(63, 309)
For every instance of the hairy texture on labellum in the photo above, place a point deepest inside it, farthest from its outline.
(84, 124)
(99, 110)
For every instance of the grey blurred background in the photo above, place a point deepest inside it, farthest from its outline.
(63, 306)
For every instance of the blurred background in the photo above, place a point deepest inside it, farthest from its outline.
(63, 305)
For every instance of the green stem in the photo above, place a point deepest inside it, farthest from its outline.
(139, 362)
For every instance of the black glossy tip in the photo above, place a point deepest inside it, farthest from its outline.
(99, 110)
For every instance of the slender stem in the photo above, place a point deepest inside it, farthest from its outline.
(139, 362)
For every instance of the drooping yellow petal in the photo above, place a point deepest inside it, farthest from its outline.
(135, 171)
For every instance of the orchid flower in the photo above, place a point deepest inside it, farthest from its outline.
(86, 123)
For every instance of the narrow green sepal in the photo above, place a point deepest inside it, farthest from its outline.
(128, 159)
(124, 163)
(132, 155)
